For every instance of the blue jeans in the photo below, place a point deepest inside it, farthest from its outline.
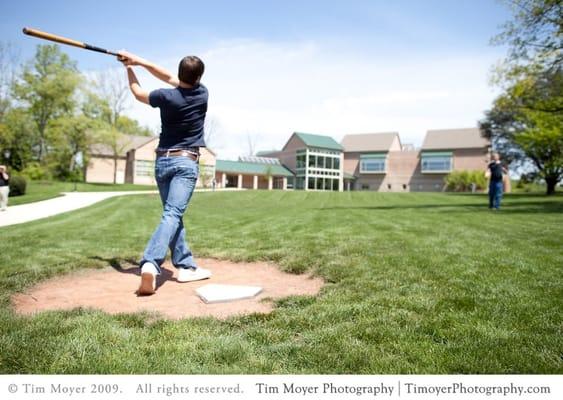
(495, 194)
(176, 179)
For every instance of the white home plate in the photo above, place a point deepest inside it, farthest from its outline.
(216, 293)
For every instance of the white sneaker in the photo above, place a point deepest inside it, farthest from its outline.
(148, 280)
(190, 274)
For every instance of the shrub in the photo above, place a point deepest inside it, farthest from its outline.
(479, 179)
(17, 185)
(35, 172)
(462, 181)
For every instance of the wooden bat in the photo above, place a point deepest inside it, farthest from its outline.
(63, 40)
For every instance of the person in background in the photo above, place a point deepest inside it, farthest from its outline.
(495, 172)
(4, 187)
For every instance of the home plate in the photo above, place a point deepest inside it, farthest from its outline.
(216, 293)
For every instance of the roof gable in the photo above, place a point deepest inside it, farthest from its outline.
(369, 141)
(448, 139)
(126, 143)
(322, 141)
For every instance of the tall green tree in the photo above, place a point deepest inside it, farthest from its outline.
(8, 58)
(16, 138)
(524, 134)
(534, 36)
(130, 126)
(525, 123)
(71, 138)
(47, 87)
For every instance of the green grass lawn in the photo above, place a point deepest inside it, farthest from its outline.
(532, 188)
(43, 190)
(416, 283)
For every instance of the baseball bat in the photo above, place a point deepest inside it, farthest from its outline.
(63, 40)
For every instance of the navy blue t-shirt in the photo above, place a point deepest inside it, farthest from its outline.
(182, 113)
(496, 171)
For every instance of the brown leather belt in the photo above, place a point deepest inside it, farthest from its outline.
(178, 153)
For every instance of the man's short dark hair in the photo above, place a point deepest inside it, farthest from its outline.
(190, 69)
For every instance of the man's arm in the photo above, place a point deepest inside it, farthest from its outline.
(156, 70)
(139, 93)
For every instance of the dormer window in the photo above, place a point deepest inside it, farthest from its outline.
(436, 162)
(373, 163)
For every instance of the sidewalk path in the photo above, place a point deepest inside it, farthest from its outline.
(67, 202)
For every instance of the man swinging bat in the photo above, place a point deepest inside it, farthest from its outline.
(182, 112)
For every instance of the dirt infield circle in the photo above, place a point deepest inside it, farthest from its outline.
(113, 290)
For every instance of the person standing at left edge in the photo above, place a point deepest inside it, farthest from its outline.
(4, 188)
(182, 113)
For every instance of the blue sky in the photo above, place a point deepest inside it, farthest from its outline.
(273, 67)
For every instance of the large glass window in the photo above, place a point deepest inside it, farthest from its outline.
(336, 163)
(301, 160)
(320, 183)
(436, 164)
(371, 165)
(336, 184)
(320, 162)
(312, 160)
(329, 162)
(311, 183)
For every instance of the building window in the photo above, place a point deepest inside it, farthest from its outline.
(365, 187)
(436, 162)
(336, 185)
(322, 169)
(144, 168)
(301, 161)
(325, 184)
(312, 160)
(311, 183)
(372, 165)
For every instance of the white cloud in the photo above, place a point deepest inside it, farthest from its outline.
(268, 90)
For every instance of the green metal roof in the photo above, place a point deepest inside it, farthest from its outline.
(373, 155)
(247, 168)
(436, 154)
(264, 152)
(325, 142)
